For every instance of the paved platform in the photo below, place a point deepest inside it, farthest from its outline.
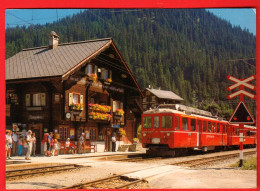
(19, 162)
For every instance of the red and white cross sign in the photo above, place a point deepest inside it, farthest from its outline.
(241, 83)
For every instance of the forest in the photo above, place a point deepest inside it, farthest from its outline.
(187, 51)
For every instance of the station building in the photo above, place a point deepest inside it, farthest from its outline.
(154, 97)
(72, 88)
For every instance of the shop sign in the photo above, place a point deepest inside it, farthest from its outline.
(113, 88)
(35, 117)
(33, 108)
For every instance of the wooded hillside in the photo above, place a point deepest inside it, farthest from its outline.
(183, 50)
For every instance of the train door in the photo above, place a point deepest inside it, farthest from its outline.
(199, 133)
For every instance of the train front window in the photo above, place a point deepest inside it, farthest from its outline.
(147, 122)
(166, 121)
(156, 122)
(184, 124)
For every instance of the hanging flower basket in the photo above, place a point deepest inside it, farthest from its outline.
(78, 106)
(92, 77)
(119, 112)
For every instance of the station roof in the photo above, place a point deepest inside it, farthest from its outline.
(163, 94)
(44, 62)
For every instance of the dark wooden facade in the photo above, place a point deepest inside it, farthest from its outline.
(63, 104)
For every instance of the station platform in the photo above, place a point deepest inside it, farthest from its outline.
(19, 162)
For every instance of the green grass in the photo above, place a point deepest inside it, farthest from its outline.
(249, 164)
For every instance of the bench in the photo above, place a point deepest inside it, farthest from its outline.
(72, 148)
(90, 147)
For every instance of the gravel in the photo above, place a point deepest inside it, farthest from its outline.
(217, 175)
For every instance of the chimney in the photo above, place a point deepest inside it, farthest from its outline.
(53, 40)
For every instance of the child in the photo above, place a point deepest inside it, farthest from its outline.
(20, 146)
(55, 148)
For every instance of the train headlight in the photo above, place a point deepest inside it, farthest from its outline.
(168, 134)
(144, 134)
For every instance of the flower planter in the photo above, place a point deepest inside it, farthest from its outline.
(107, 83)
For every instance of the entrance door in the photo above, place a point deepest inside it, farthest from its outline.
(37, 129)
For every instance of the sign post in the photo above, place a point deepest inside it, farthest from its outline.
(241, 115)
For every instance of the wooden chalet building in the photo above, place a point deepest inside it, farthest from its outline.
(73, 88)
(154, 97)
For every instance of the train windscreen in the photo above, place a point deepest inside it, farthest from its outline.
(147, 122)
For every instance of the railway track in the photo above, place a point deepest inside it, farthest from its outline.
(22, 173)
(139, 159)
(114, 182)
(207, 160)
(124, 182)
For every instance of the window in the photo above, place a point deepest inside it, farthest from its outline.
(76, 98)
(166, 121)
(192, 124)
(144, 100)
(177, 123)
(153, 98)
(93, 134)
(117, 105)
(184, 124)
(36, 99)
(63, 133)
(204, 126)
(90, 69)
(209, 127)
(156, 122)
(147, 122)
(214, 127)
(104, 74)
(218, 128)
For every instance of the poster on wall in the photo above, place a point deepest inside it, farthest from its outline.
(72, 133)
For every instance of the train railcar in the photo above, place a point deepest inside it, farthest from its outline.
(173, 129)
(249, 136)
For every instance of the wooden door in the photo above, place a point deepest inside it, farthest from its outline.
(37, 129)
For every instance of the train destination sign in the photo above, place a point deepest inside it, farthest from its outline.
(241, 115)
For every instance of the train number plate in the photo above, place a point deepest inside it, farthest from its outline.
(156, 140)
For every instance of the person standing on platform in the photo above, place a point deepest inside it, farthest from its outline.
(15, 141)
(29, 143)
(82, 143)
(113, 143)
(20, 146)
(8, 143)
(33, 144)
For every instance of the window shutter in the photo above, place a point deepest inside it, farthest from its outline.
(27, 99)
(70, 98)
(114, 106)
(43, 99)
(121, 105)
(81, 100)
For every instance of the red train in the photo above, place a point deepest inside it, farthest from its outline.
(174, 129)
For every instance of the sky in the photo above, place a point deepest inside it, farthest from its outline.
(244, 17)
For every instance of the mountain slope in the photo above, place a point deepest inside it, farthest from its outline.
(183, 50)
